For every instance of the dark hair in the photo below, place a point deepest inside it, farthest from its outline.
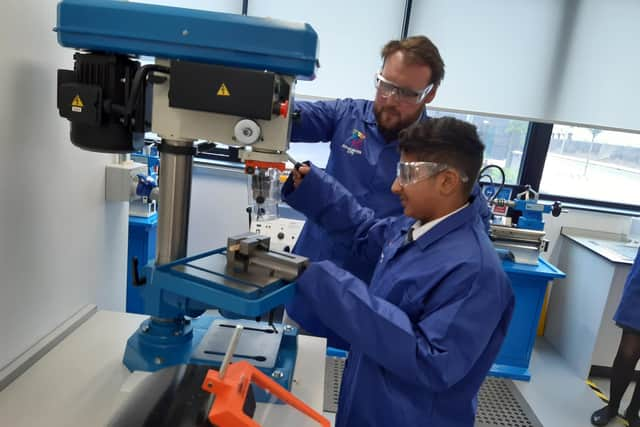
(418, 50)
(446, 140)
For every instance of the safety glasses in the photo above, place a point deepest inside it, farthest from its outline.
(387, 89)
(412, 172)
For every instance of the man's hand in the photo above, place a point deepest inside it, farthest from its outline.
(298, 173)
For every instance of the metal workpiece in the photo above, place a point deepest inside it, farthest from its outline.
(231, 350)
(284, 265)
(503, 202)
(523, 245)
(246, 244)
(516, 234)
(251, 251)
(175, 198)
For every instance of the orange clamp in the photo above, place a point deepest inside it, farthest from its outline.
(284, 108)
(263, 165)
(231, 394)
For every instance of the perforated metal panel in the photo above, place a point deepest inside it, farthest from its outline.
(332, 380)
(500, 404)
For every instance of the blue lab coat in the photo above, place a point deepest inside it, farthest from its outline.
(426, 331)
(365, 164)
(360, 159)
(628, 313)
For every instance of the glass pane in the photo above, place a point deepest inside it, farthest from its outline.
(504, 140)
(593, 164)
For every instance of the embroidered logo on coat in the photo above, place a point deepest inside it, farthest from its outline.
(353, 145)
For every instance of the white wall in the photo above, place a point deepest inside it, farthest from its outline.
(219, 199)
(61, 245)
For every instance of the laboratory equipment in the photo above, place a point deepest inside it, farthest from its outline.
(217, 77)
(524, 238)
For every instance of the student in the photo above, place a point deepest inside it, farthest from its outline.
(363, 137)
(628, 318)
(426, 330)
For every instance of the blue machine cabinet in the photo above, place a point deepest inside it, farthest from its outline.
(142, 244)
(529, 286)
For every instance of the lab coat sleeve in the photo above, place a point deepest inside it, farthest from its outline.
(317, 121)
(325, 201)
(436, 351)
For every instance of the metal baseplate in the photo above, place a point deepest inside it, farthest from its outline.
(272, 348)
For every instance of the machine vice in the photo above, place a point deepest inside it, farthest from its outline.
(250, 251)
(524, 239)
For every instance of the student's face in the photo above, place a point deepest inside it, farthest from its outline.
(420, 198)
(430, 191)
(393, 113)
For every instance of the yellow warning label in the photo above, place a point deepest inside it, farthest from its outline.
(77, 102)
(223, 91)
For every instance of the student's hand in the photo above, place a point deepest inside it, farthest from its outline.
(298, 173)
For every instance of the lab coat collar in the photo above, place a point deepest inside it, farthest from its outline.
(449, 224)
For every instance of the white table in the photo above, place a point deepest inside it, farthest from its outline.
(82, 381)
(580, 322)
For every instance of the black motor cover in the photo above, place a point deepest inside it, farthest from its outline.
(94, 96)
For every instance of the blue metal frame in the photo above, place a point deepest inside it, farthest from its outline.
(126, 28)
(157, 345)
(172, 294)
(142, 245)
(195, 35)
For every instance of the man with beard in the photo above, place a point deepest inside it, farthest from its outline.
(364, 148)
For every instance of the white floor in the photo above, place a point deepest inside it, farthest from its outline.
(557, 395)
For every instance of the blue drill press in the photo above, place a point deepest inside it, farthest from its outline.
(217, 77)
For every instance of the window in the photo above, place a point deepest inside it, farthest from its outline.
(592, 164)
(504, 141)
